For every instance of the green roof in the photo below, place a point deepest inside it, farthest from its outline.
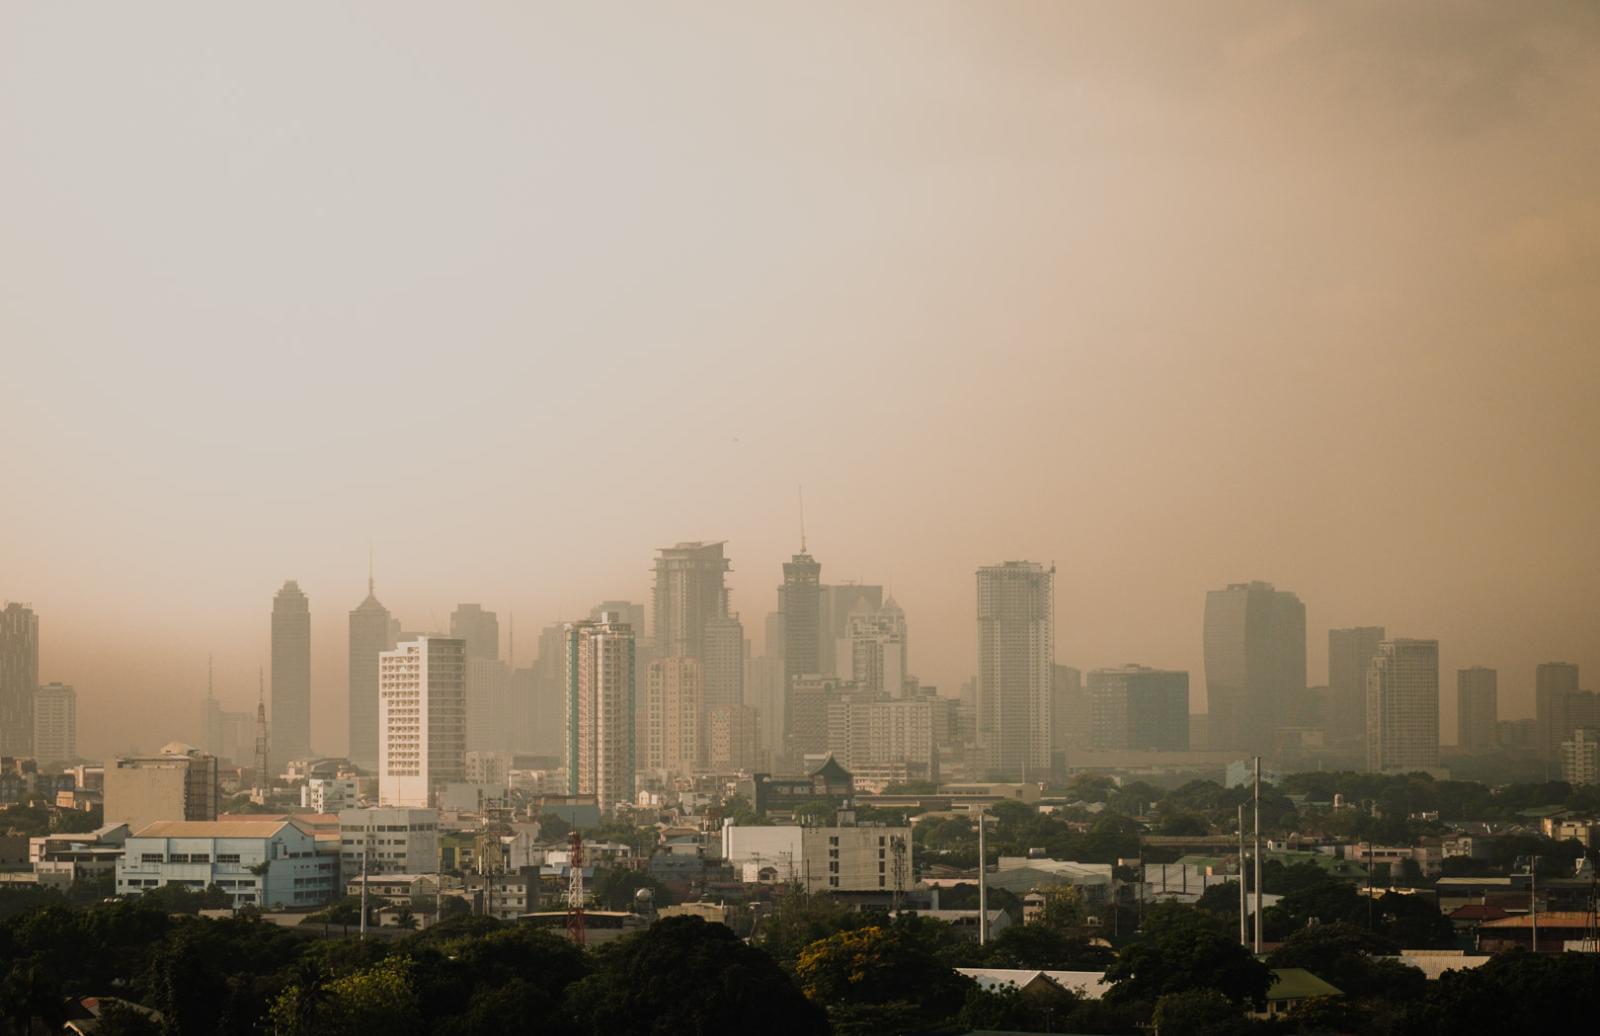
(1298, 984)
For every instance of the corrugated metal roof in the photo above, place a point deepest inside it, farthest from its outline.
(212, 829)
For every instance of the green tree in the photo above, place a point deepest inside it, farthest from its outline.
(379, 999)
(1197, 1012)
(875, 979)
(799, 919)
(686, 975)
(1181, 948)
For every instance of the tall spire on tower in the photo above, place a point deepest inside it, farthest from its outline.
(370, 583)
(802, 491)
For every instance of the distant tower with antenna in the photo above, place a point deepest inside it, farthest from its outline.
(799, 602)
(263, 768)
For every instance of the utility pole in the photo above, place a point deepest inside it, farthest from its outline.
(365, 842)
(1533, 898)
(1257, 946)
(983, 881)
(1244, 908)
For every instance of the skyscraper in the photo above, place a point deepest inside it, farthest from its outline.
(835, 605)
(723, 661)
(798, 603)
(600, 710)
(1403, 706)
(291, 675)
(1016, 659)
(688, 590)
(1477, 709)
(1255, 657)
(1139, 708)
(674, 707)
(55, 723)
(732, 738)
(1070, 712)
(422, 696)
(19, 678)
(874, 650)
(479, 629)
(1555, 684)
(372, 632)
(1350, 654)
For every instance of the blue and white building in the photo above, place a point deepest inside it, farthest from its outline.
(272, 864)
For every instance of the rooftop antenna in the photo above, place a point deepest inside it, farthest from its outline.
(802, 492)
(210, 687)
(370, 583)
(511, 648)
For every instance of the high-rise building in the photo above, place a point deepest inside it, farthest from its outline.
(798, 603)
(1016, 661)
(1580, 756)
(1403, 706)
(1477, 709)
(489, 712)
(1139, 708)
(674, 707)
(1350, 654)
(1069, 711)
(19, 678)
(732, 738)
(372, 632)
(422, 698)
(1554, 685)
(600, 710)
(1255, 657)
(723, 661)
(479, 629)
(835, 605)
(866, 730)
(549, 707)
(689, 590)
(291, 675)
(874, 650)
(55, 724)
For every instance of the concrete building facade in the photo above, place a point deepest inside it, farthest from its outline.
(291, 675)
(372, 632)
(600, 710)
(1139, 708)
(270, 864)
(422, 698)
(1403, 706)
(179, 783)
(55, 723)
(1255, 659)
(1016, 660)
(674, 706)
(1477, 709)
(19, 678)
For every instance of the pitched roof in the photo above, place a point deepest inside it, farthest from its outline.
(212, 829)
(1546, 918)
(1298, 984)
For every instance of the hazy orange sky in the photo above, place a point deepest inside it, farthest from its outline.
(1174, 294)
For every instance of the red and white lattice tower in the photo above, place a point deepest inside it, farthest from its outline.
(575, 894)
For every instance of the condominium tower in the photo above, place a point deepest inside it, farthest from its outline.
(689, 590)
(1477, 709)
(55, 723)
(19, 678)
(1134, 707)
(422, 698)
(1403, 706)
(1255, 658)
(600, 710)
(1350, 654)
(1016, 657)
(674, 708)
(291, 675)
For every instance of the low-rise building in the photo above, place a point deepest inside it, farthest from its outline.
(330, 794)
(842, 859)
(275, 864)
(392, 839)
(59, 860)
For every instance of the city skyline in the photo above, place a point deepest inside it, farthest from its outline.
(1173, 299)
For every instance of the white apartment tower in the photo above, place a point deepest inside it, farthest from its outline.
(55, 723)
(674, 705)
(422, 700)
(1403, 706)
(1016, 657)
(600, 736)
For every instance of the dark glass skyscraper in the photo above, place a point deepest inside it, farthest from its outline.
(372, 630)
(1350, 653)
(1255, 655)
(291, 675)
(19, 678)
